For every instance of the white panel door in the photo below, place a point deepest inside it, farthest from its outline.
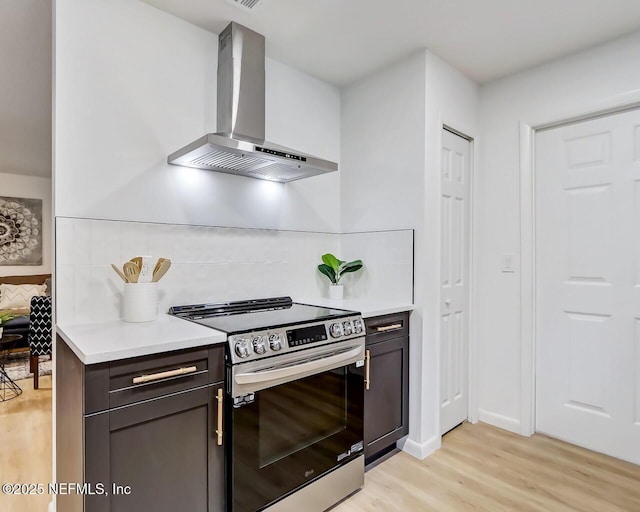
(454, 280)
(588, 284)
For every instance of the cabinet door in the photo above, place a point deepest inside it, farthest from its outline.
(386, 401)
(165, 450)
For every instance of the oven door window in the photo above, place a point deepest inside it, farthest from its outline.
(300, 414)
(293, 433)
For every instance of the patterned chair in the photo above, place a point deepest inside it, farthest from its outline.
(40, 333)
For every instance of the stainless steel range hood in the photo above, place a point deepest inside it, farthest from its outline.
(239, 147)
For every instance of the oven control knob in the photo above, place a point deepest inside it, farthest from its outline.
(347, 327)
(243, 348)
(357, 326)
(275, 342)
(335, 330)
(259, 345)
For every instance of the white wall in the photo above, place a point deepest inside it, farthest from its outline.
(25, 88)
(596, 79)
(304, 113)
(133, 84)
(383, 148)
(387, 274)
(16, 185)
(391, 137)
(383, 141)
(452, 99)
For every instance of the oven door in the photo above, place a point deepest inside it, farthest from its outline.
(294, 418)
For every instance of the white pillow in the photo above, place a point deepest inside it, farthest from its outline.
(19, 295)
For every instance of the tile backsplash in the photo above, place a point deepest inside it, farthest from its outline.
(388, 270)
(215, 264)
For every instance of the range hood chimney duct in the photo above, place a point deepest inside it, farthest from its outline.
(241, 84)
(239, 146)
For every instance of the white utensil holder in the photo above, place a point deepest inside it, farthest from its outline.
(146, 272)
(336, 291)
(140, 302)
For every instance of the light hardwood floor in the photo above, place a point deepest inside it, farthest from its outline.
(478, 468)
(482, 468)
(25, 445)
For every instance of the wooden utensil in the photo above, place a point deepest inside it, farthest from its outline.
(162, 270)
(138, 261)
(132, 271)
(157, 267)
(119, 272)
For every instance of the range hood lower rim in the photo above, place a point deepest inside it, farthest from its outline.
(219, 152)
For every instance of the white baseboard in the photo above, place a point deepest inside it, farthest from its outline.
(420, 451)
(500, 421)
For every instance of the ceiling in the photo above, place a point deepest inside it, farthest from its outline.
(340, 41)
(337, 41)
(25, 87)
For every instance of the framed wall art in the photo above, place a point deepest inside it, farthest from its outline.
(20, 231)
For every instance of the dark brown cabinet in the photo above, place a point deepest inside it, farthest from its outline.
(386, 399)
(153, 433)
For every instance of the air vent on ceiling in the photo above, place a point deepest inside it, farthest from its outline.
(246, 5)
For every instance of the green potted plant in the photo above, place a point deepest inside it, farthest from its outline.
(335, 270)
(4, 318)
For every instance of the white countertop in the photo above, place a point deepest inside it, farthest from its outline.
(104, 342)
(111, 341)
(367, 307)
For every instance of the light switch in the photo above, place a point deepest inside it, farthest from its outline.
(509, 263)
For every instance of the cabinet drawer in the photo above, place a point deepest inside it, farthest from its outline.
(143, 378)
(387, 327)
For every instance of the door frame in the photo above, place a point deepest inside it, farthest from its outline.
(472, 339)
(528, 278)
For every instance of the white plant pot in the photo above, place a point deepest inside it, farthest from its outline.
(140, 302)
(336, 291)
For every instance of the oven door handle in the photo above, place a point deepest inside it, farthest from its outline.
(302, 369)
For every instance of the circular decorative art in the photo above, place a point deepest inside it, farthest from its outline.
(20, 231)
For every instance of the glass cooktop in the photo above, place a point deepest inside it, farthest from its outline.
(244, 316)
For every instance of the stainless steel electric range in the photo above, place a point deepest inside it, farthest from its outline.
(294, 408)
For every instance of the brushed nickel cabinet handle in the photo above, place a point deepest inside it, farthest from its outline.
(219, 429)
(164, 375)
(385, 328)
(367, 358)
